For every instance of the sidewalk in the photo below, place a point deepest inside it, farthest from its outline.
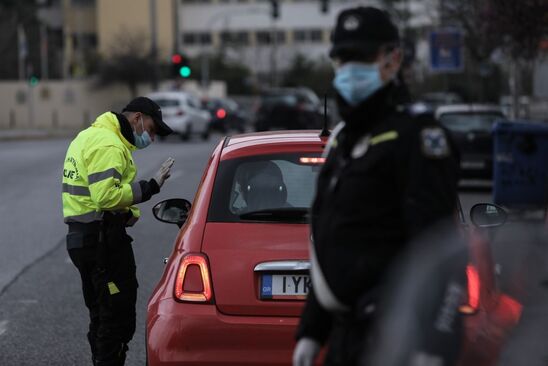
(34, 134)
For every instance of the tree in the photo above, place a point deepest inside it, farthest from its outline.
(129, 63)
(13, 15)
(235, 75)
(305, 72)
(514, 27)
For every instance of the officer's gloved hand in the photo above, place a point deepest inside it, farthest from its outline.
(305, 352)
(164, 172)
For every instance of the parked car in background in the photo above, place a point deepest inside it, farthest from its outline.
(183, 113)
(289, 109)
(226, 115)
(471, 126)
(429, 102)
(234, 286)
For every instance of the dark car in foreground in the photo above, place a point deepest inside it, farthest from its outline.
(470, 126)
(289, 109)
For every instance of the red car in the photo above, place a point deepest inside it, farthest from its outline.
(234, 286)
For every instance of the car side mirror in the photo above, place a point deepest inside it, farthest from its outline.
(487, 215)
(172, 211)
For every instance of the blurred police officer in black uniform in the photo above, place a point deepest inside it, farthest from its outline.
(388, 176)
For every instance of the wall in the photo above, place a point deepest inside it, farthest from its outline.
(72, 105)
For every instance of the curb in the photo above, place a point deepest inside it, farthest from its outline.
(18, 135)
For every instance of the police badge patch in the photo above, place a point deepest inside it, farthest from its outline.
(434, 143)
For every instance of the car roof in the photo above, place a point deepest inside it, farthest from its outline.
(168, 94)
(468, 108)
(272, 142)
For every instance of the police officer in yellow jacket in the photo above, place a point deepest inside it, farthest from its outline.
(99, 198)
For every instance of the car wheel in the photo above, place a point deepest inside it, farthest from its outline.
(205, 135)
(186, 135)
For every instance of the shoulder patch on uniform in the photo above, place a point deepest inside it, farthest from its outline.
(434, 143)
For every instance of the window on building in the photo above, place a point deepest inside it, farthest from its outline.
(193, 38)
(299, 35)
(205, 38)
(190, 38)
(263, 37)
(307, 35)
(316, 35)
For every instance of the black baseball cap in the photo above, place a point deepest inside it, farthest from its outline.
(361, 32)
(148, 107)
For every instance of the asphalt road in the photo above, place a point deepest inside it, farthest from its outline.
(43, 319)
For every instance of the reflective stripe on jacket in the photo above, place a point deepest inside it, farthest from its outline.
(98, 173)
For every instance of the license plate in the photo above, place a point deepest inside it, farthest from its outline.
(284, 287)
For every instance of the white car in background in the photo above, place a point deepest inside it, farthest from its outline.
(183, 113)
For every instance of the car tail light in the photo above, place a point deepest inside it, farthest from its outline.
(221, 113)
(180, 112)
(311, 160)
(193, 283)
(474, 285)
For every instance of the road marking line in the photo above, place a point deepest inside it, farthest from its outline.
(3, 326)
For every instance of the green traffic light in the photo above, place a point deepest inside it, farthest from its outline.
(184, 71)
(33, 81)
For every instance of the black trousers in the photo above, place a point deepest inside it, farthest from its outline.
(109, 284)
(347, 340)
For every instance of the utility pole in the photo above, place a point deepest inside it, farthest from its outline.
(44, 61)
(275, 14)
(153, 44)
(22, 51)
(67, 40)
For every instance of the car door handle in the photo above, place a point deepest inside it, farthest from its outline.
(282, 266)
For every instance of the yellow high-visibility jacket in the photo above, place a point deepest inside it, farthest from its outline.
(98, 173)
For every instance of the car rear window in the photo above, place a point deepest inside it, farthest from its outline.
(468, 122)
(283, 184)
(283, 99)
(167, 102)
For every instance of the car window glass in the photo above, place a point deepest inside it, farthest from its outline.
(262, 183)
(284, 99)
(468, 122)
(193, 102)
(164, 102)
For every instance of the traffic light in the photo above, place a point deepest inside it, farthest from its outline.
(33, 80)
(180, 66)
(275, 9)
(324, 6)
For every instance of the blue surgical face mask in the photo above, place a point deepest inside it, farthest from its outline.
(356, 81)
(142, 140)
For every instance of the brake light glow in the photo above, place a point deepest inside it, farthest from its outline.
(473, 291)
(193, 282)
(180, 112)
(221, 113)
(311, 160)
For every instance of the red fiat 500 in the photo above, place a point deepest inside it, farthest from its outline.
(233, 288)
(234, 285)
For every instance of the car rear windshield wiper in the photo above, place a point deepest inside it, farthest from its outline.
(298, 214)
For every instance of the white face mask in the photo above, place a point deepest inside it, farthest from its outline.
(142, 140)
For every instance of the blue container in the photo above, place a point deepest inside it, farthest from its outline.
(520, 164)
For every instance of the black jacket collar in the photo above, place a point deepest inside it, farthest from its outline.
(362, 118)
(125, 128)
